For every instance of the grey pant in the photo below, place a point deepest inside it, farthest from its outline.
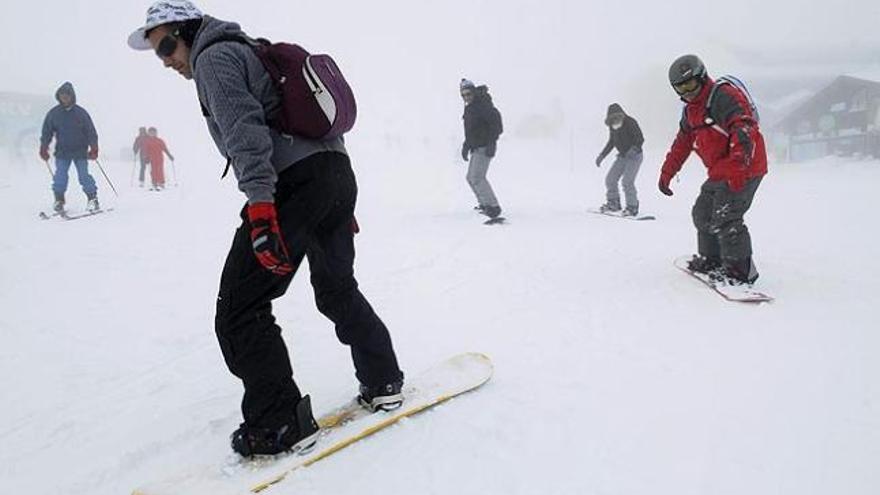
(476, 177)
(718, 215)
(625, 167)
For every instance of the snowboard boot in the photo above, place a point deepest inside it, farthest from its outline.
(740, 271)
(93, 204)
(631, 211)
(492, 211)
(610, 206)
(703, 264)
(382, 398)
(59, 203)
(298, 436)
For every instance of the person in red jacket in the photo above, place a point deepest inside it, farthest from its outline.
(154, 147)
(718, 122)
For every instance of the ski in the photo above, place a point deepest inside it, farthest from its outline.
(71, 216)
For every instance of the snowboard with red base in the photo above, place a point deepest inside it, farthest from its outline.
(730, 291)
(340, 428)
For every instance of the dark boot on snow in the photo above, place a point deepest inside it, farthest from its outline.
(704, 265)
(384, 397)
(492, 211)
(298, 436)
(741, 271)
(610, 206)
(59, 202)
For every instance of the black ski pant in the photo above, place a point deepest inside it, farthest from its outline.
(315, 200)
(718, 215)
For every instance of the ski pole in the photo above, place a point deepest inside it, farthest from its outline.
(174, 172)
(49, 168)
(105, 176)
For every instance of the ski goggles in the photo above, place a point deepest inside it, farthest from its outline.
(688, 86)
(167, 45)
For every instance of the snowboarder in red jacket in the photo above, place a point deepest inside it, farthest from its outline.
(719, 123)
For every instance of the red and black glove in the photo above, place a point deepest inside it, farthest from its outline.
(266, 238)
(93, 153)
(44, 153)
(663, 185)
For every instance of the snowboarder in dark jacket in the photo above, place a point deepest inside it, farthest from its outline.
(301, 196)
(482, 127)
(624, 134)
(719, 124)
(76, 141)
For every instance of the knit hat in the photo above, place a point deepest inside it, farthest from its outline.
(465, 84)
(160, 13)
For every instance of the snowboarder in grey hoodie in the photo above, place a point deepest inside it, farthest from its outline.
(76, 141)
(301, 197)
(624, 134)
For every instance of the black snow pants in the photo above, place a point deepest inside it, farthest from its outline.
(718, 215)
(315, 200)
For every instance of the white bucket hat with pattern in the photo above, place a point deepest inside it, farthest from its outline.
(160, 13)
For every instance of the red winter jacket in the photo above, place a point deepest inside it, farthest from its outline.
(726, 137)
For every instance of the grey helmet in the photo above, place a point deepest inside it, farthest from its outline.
(686, 67)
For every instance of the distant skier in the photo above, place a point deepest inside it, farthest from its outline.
(76, 141)
(140, 153)
(718, 122)
(155, 149)
(482, 127)
(624, 134)
(301, 196)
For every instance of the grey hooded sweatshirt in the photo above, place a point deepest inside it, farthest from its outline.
(240, 99)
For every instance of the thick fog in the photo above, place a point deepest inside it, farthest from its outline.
(552, 66)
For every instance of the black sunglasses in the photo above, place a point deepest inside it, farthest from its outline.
(167, 45)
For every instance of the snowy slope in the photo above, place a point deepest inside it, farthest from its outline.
(615, 374)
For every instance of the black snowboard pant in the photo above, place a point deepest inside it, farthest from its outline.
(718, 215)
(315, 200)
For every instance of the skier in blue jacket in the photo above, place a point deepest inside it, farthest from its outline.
(76, 141)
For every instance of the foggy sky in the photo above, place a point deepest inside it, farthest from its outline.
(404, 58)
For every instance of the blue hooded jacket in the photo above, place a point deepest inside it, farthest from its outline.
(71, 127)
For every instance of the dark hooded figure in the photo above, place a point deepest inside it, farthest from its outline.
(76, 141)
(482, 127)
(625, 135)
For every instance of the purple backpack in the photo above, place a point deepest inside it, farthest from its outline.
(316, 100)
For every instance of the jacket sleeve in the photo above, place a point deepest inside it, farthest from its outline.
(733, 113)
(638, 137)
(240, 120)
(48, 130)
(678, 153)
(608, 146)
(91, 132)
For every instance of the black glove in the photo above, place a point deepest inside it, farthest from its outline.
(491, 149)
(599, 160)
(465, 151)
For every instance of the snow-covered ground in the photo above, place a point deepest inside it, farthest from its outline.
(615, 373)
